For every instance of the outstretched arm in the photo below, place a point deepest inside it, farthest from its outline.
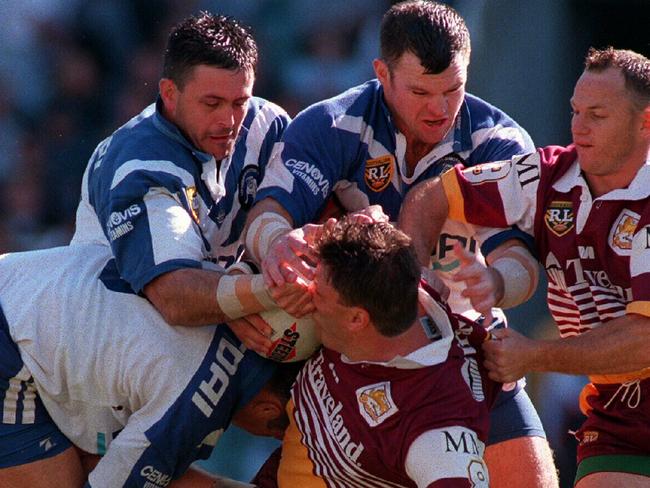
(615, 348)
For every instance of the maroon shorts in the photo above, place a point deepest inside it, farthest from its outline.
(618, 419)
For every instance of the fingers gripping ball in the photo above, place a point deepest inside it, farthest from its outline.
(293, 339)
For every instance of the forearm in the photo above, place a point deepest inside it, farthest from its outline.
(259, 234)
(194, 297)
(619, 346)
(423, 213)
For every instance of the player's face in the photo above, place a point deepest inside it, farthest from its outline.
(210, 108)
(607, 130)
(330, 312)
(424, 106)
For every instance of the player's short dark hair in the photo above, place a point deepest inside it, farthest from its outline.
(213, 40)
(283, 378)
(634, 66)
(434, 32)
(373, 266)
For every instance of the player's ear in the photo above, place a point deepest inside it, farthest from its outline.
(381, 70)
(646, 120)
(169, 93)
(358, 320)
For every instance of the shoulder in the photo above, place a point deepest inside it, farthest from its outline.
(142, 144)
(260, 107)
(485, 114)
(352, 102)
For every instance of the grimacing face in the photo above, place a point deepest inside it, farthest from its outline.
(210, 108)
(424, 106)
(607, 129)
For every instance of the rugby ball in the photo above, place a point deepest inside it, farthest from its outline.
(293, 339)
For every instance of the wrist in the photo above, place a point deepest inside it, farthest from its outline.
(240, 295)
(263, 231)
(515, 279)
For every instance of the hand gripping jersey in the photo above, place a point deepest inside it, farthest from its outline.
(115, 378)
(349, 146)
(409, 422)
(161, 204)
(595, 251)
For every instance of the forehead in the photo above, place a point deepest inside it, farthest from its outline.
(605, 88)
(207, 80)
(409, 70)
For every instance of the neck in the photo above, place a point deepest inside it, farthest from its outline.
(415, 151)
(375, 347)
(601, 184)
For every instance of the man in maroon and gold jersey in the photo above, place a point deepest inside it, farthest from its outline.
(391, 399)
(587, 207)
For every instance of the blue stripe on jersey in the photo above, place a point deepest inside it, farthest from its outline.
(228, 377)
(331, 141)
(19, 401)
(149, 156)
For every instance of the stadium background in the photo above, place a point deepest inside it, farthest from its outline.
(71, 71)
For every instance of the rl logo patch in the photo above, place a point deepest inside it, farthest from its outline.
(376, 403)
(193, 200)
(622, 232)
(379, 171)
(559, 217)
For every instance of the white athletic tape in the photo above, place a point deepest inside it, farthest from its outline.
(516, 281)
(241, 295)
(263, 231)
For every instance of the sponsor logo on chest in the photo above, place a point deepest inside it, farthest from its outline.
(622, 232)
(248, 181)
(559, 217)
(379, 172)
(376, 403)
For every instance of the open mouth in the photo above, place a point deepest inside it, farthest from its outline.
(436, 123)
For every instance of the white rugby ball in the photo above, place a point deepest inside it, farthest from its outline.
(293, 339)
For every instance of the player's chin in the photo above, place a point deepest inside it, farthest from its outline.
(219, 150)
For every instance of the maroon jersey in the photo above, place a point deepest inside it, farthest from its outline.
(412, 421)
(596, 252)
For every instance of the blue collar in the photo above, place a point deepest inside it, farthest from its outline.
(172, 131)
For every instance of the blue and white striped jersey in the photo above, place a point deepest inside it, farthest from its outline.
(115, 378)
(348, 145)
(162, 204)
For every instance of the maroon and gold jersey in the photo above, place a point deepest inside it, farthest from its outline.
(596, 251)
(412, 421)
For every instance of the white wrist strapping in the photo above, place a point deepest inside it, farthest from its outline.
(264, 229)
(519, 277)
(241, 295)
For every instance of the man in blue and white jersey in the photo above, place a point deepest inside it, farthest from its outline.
(84, 359)
(369, 146)
(174, 184)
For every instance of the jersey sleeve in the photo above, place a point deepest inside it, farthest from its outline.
(144, 208)
(446, 454)
(306, 165)
(498, 194)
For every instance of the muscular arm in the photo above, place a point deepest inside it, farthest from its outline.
(189, 297)
(422, 216)
(195, 297)
(618, 346)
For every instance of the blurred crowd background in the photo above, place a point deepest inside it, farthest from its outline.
(72, 71)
